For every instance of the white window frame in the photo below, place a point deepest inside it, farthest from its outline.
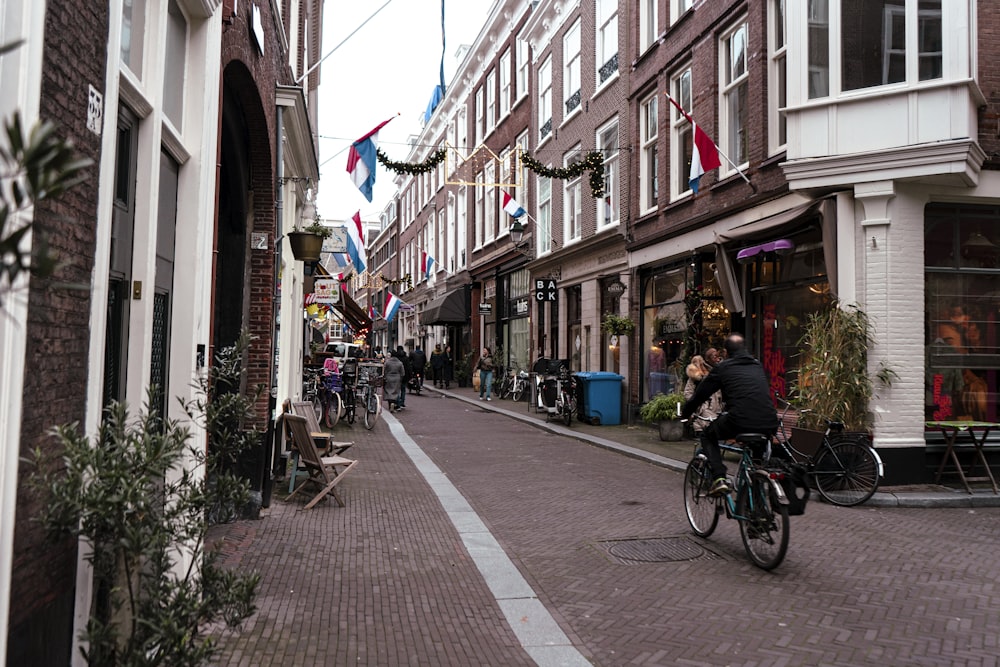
(503, 220)
(490, 218)
(504, 104)
(777, 89)
(491, 103)
(648, 24)
(522, 65)
(680, 127)
(572, 74)
(648, 158)
(480, 116)
(545, 100)
(573, 200)
(543, 240)
(734, 75)
(480, 214)
(611, 201)
(606, 39)
(678, 8)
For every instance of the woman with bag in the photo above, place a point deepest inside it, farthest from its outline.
(485, 367)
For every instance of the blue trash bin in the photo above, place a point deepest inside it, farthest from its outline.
(602, 404)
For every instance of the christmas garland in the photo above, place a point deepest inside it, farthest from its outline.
(412, 168)
(592, 162)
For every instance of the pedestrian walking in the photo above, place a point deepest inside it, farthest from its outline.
(437, 365)
(485, 366)
(448, 368)
(394, 372)
(400, 354)
(418, 364)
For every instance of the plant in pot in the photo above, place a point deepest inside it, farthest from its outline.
(833, 379)
(463, 370)
(307, 243)
(664, 409)
(616, 325)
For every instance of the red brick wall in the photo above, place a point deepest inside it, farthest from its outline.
(988, 45)
(42, 587)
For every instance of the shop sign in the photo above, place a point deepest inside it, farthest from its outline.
(327, 290)
(521, 306)
(617, 288)
(545, 289)
(486, 309)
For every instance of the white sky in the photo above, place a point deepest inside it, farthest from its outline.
(389, 66)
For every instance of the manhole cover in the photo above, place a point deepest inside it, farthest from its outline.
(657, 550)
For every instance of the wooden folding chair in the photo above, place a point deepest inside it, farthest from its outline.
(324, 441)
(325, 471)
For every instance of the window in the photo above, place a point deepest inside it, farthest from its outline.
(680, 135)
(491, 102)
(873, 43)
(480, 211)
(648, 20)
(961, 288)
(648, 194)
(480, 116)
(462, 131)
(572, 200)
(777, 74)
(571, 68)
(734, 87)
(133, 30)
(607, 39)
(679, 7)
(819, 48)
(173, 68)
(929, 39)
(518, 193)
(545, 99)
(521, 78)
(608, 209)
(490, 212)
(439, 246)
(505, 83)
(544, 234)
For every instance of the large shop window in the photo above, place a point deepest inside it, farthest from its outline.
(962, 309)
(785, 288)
(664, 323)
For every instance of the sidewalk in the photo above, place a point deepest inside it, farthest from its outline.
(643, 442)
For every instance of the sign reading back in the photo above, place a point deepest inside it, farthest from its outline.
(545, 289)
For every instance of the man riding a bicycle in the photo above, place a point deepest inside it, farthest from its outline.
(746, 396)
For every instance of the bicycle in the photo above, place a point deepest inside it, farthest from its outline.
(312, 392)
(333, 386)
(760, 505)
(348, 395)
(845, 469)
(369, 381)
(518, 384)
(566, 399)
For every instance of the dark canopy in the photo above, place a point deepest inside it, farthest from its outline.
(452, 308)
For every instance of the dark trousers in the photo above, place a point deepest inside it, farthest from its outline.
(722, 428)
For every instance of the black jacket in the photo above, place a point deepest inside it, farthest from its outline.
(746, 393)
(418, 360)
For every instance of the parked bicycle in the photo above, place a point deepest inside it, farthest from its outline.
(559, 394)
(845, 469)
(369, 381)
(333, 387)
(518, 383)
(348, 395)
(312, 389)
(758, 501)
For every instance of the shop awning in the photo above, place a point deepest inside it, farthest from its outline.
(353, 314)
(452, 308)
(768, 229)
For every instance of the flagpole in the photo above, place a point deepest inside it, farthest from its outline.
(733, 164)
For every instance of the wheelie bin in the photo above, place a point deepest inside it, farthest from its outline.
(602, 397)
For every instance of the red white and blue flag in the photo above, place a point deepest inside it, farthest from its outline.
(511, 207)
(392, 304)
(704, 152)
(373, 313)
(356, 244)
(361, 161)
(426, 262)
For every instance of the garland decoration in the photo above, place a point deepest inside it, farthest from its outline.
(592, 162)
(412, 168)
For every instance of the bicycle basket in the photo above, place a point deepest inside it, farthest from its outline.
(333, 382)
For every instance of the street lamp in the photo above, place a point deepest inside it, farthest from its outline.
(517, 232)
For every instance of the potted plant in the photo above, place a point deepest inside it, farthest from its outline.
(463, 370)
(664, 409)
(616, 325)
(307, 243)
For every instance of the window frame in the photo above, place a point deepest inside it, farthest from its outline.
(648, 159)
(681, 135)
(648, 24)
(734, 85)
(611, 176)
(605, 63)
(573, 70)
(543, 242)
(777, 89)
(504, 104)
(573, 199)
(545, 100)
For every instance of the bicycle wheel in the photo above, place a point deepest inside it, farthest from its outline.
(333, 407)
(517, 391)
(371, 409)
(317, 407)
(763, 523)
(846, 472)
(702, 510)
(350, 403)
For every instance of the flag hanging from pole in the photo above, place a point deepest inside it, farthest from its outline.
(511, 207)
(392, 304)
(704, 152)
(356, 244)
(361, 161)
(373, 313)
(426, 262)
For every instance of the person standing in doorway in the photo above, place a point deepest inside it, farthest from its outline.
(437, 365)
(485, 366)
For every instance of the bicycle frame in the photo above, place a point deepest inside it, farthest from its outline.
(747, 469)
(826, 445)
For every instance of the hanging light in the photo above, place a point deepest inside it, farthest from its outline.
(517, 232)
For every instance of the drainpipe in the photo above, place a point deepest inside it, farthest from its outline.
(272, 394)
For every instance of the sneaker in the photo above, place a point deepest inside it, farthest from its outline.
(480, 398)
(487, 398)
(720, 487)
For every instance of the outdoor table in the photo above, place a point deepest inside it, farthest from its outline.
(950, 430)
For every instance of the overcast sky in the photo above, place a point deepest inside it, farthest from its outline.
(389, 66)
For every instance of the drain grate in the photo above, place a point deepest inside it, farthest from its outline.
(657, 550)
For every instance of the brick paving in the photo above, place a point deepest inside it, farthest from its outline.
(387, 580)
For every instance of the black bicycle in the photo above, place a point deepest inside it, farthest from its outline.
(845, 469)
(759, 502)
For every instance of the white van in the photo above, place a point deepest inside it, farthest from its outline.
(341, 351)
